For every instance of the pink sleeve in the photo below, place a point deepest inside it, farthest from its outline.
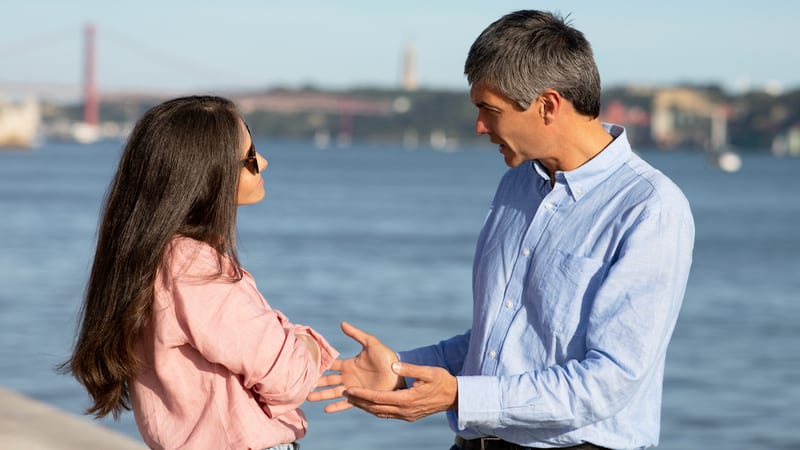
(231, 324)
(327, 354)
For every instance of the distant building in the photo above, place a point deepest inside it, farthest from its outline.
(409, 69)
(19, 123)
(635, 119)
(788, 142)
(683, 117)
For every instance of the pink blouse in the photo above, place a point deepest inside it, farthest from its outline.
(223, 370)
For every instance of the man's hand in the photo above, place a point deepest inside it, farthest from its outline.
(434, 390)
(370, 369)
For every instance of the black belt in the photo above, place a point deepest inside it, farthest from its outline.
(493, 443)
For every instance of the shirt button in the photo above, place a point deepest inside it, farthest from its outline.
(492, 354)
(509, 304)
(579, 191)
(548, 205)
(526, 252)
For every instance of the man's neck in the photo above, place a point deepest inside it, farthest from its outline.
(579, 142)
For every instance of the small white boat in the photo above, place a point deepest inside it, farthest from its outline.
(720, 154)
(726, 160)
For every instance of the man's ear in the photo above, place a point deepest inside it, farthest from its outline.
(551, 102)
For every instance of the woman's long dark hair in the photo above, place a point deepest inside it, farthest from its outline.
(178, 175)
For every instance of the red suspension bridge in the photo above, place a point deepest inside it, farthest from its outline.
(158, 60)
(47, 54)
(90, 94)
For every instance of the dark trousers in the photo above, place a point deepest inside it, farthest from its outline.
(577, 447)
(499, 444)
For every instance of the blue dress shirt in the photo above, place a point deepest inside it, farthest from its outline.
(577, 289)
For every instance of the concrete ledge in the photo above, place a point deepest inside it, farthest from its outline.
(32, 425)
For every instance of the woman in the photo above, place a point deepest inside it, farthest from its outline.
(172, 326)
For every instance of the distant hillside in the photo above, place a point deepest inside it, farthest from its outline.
(425, 117)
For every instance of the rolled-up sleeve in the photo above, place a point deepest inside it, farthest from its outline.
(232, 325)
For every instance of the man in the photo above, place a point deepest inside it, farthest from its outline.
(578, 276)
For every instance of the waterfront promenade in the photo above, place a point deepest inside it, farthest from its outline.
(32, 425)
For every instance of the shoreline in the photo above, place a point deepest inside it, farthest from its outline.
(30, 424)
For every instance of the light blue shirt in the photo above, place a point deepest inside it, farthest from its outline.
(576, 291)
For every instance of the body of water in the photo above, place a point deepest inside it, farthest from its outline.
(383, 237)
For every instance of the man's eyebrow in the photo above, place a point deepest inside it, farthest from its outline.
(482, 104)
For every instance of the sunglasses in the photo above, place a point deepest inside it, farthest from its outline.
(251, 161)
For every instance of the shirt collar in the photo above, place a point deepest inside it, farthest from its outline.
(581, 180)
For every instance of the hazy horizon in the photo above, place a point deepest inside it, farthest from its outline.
(203, 45)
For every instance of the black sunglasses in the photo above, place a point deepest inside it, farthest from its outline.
(251, 162)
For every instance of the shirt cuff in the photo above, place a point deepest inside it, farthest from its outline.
(327, 354)
(479, 402)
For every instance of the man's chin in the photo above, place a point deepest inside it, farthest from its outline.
(511, 161)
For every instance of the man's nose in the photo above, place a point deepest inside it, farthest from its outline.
(480, 127)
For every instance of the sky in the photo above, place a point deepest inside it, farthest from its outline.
(182, 45)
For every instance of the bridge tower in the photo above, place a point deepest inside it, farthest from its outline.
(91, 104)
